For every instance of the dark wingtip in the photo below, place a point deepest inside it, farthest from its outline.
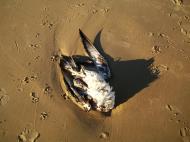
(82, 35)
(80, 31)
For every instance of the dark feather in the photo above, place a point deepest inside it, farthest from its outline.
(99, 61)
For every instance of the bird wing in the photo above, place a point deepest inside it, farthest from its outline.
(99, 61)
(68, 67)
(83, 60)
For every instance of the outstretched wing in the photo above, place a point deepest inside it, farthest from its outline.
(99, 61)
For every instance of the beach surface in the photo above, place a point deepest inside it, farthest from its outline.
(147, 45)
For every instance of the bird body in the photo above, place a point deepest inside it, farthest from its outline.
(86, 78)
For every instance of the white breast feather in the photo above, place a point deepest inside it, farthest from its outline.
(99, 89)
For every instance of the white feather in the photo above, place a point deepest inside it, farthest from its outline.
(99, 90)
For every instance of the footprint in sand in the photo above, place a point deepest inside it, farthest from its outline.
(43, 115)
(185, 134)
(48, 21)
(156, 49)
(104, 135)
(105, 10)
(169, 107)
(94, 11)
(37, 35)
(34, 97)
(177, 2)
(47, 90)
(34, 46)
(184, 24)
(26, 80)
(29, 79)
(3, 129)
(184, 131)
(79, 5)
(161, 42)
(4, 98)
(28, 135)
(54, 58)
(185, 31)
(174, 112)
(159, 69)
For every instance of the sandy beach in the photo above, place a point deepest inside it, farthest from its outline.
(147, 45)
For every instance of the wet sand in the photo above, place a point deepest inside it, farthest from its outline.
(147, 46)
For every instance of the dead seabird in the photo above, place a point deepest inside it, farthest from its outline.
(84, 78)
